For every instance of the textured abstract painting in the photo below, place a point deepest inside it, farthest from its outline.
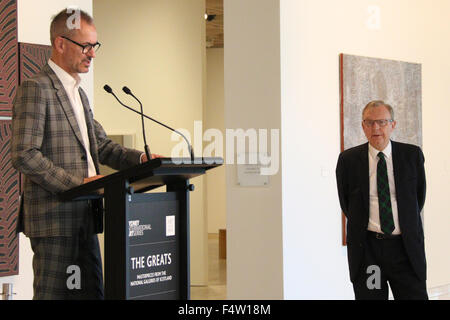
(9, 58)
(9, 204)
(32, 58)
(397, 83)
(17, 63)
(9, 185)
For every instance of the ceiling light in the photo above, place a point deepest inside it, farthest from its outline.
(210, 17)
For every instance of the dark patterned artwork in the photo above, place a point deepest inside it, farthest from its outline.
(9, 186)
(9, 204)
(8, 55)
(398, 83)
(32, 58)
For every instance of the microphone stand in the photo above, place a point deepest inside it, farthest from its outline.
(146, 148)
(128, 91)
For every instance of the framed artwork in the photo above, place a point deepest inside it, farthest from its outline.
(398, 83)
(9, 75)
(18, 62)
(32, 57)
(9, 187)
(9, 206)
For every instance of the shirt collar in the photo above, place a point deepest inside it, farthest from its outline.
(387, 151)
(66, 79)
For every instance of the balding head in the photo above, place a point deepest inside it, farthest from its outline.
(67, 22)
(376, 104)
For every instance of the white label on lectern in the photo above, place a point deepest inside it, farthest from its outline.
(170, 226)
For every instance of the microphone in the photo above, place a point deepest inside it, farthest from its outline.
(128, 91)
(191, 151)
(146, 148)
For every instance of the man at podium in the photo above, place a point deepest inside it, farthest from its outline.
(57, 145)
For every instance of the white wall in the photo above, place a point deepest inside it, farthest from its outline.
(313, 33)
(157, 49)
(252, 100)
(22, 283)
(34, 27)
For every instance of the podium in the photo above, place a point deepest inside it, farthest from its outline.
(147, 255)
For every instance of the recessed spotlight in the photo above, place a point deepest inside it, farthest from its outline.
(210, 17)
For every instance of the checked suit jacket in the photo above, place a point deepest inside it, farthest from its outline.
(47, 149)
(352, 174)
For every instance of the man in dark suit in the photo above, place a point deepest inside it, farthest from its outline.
(57, 145)
(381, 186)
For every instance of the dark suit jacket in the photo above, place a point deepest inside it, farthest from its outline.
(47, 149)
(352, 173)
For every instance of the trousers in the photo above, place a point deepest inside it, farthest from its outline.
(67, 268)
(386, 262)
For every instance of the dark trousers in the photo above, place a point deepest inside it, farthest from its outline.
(67, 268)
(386, 262)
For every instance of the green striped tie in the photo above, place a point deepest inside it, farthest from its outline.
(384, 197)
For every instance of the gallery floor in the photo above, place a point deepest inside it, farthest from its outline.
(217, 274)
(217, 284)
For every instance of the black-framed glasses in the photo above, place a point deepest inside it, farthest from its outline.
(86, 47)
(380, 122)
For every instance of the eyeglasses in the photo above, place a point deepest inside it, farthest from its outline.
(86, 47)
(381, 122)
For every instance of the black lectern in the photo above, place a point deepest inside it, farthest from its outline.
(147, 234)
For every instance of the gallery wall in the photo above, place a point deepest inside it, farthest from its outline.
(313, 34)
(253, 101)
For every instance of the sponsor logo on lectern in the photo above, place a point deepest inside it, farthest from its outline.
(136, 229)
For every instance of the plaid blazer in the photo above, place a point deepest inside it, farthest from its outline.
(47, 148)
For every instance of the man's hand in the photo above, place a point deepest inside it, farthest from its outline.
(87, 180)
(153, 155)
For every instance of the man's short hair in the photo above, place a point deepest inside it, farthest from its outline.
(64, 23)
(378, 103)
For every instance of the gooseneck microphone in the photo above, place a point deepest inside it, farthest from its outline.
(146, 148)
(128, 91)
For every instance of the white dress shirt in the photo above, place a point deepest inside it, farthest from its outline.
(72, 86)
(374, 215)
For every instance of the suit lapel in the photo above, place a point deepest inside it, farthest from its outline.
(90, 128)
(396, 160)
(64, 101)
(364, 175)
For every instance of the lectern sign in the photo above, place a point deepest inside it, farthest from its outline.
(153, 254)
